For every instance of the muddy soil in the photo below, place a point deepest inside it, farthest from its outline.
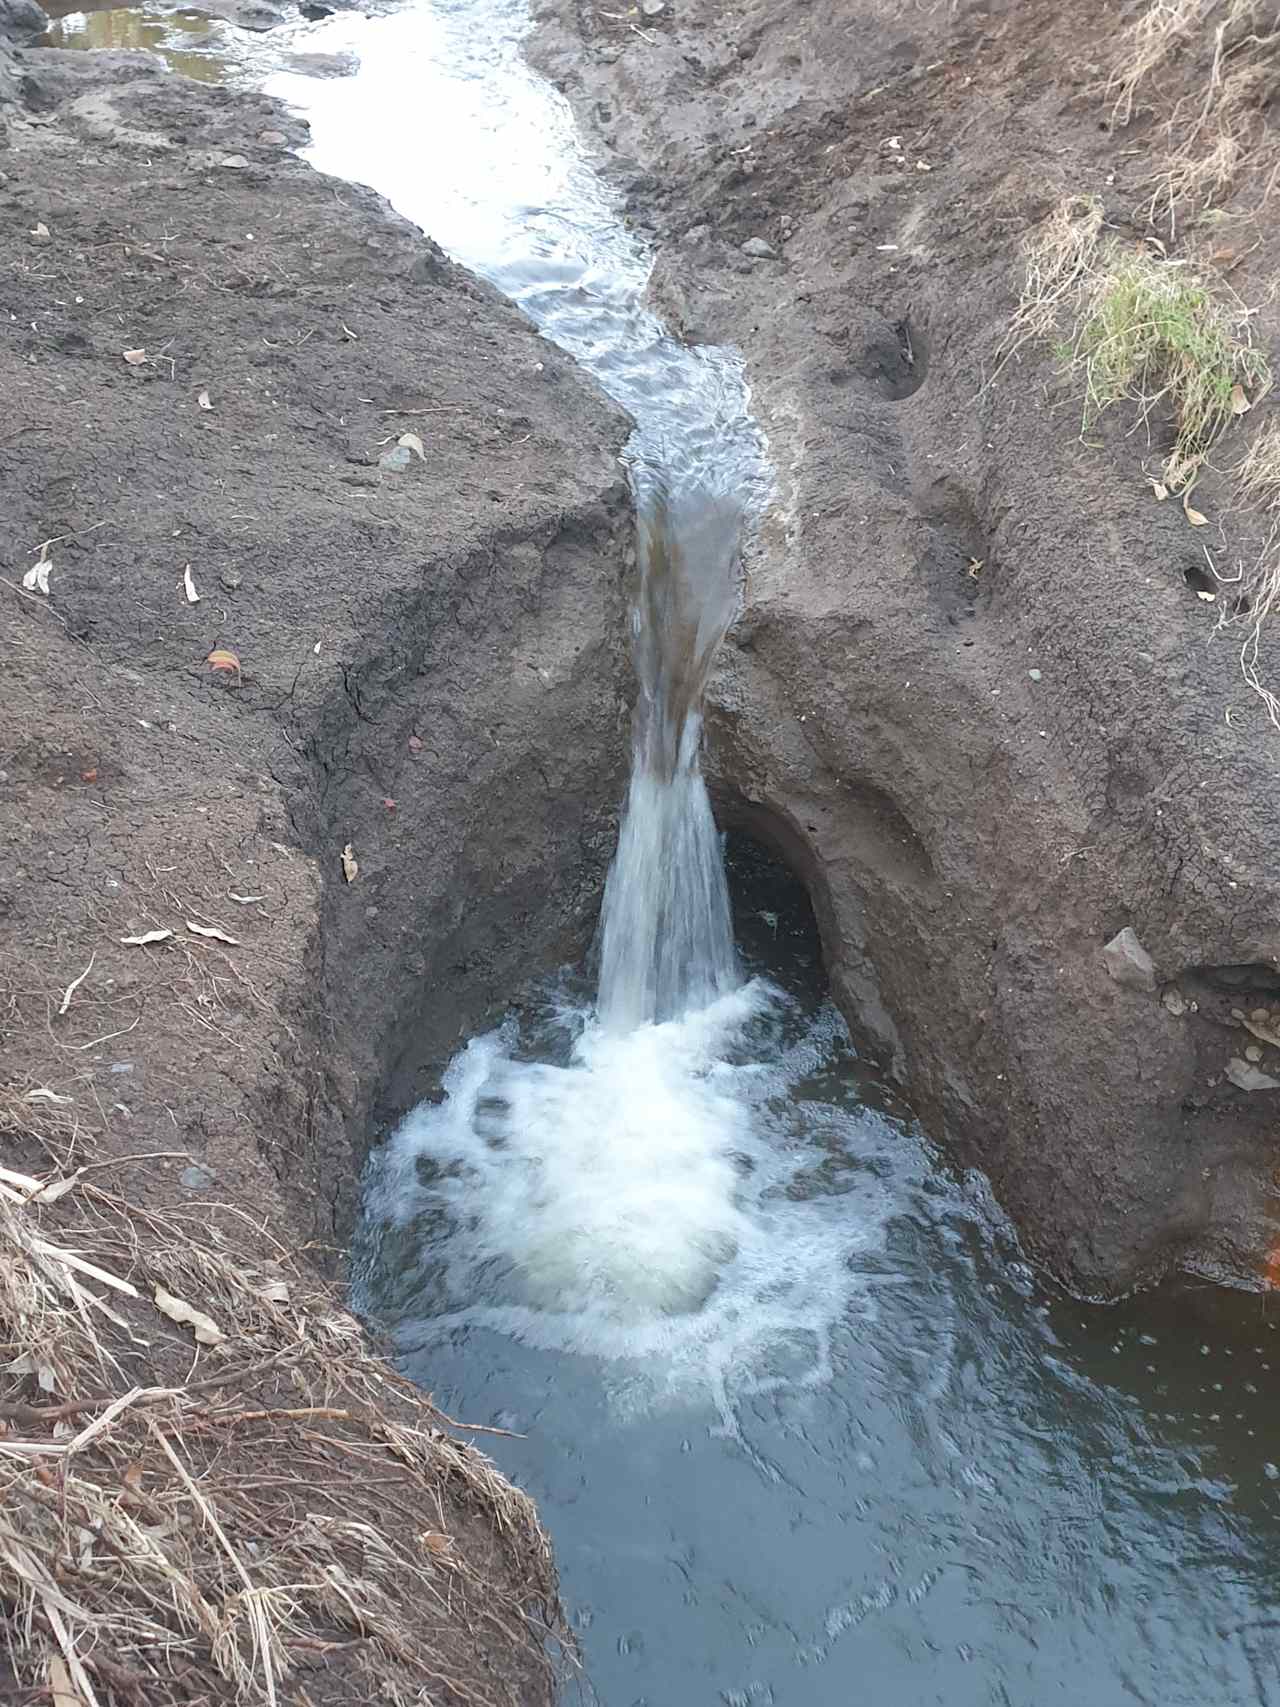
(313, 748)
(974, 695)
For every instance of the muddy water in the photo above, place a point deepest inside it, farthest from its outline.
(804, 1425)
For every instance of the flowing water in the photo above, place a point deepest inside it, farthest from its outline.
(803, 1425)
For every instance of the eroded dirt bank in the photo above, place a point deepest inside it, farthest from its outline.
(974, 695)
(262, 646)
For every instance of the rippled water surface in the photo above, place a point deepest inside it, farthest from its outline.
(874, 1461)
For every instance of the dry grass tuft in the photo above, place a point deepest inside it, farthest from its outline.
(1258, 471)
(285, 1513)
(1234, 47)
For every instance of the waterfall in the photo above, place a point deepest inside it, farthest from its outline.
(666, 932)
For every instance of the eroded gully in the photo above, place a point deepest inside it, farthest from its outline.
(804, 1426)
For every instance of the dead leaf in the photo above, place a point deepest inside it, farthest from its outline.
(40, 232)
(412, 442)
(89, 776)
(275, 1292)
(1240, 404)
(1195, 517)
(350, 864)
(145, 938)
(36, 579)
(61, 1690)
(435, 1542)
(204, 1327)
(56, 1188)
(415, 743)
(203, 400)
(1159, 490)
(213, 931)
(75, 984)
(133, 1476)
(135, 358)
(189, 587)
(43, 1095)
(221, 659)
(245, 900)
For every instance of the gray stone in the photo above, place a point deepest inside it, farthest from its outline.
(1175, 1002)
(1128, 962)
(397, 459)
(653, 8)
(758, 249)
(197, 1177)
(1249, 1078)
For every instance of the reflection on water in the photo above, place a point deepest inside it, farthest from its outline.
(206, 49)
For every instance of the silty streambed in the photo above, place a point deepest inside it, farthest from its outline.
(802, 1424)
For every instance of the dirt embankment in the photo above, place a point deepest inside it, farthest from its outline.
(975, 694)
(334, 549)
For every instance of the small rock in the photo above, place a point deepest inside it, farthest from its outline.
(230, 580)
(1173, 1000)
(1246, 1077)
(197, 1177)
(653, 8)
(697, 234)
(1237, 1013)
(1128, 962)
(273, 138)
(1253, 1053)
(1260, 1016)
(40, 234)
(1034, 674)
(322, 64)
(396, 460)
(758, 249)
(236, 162)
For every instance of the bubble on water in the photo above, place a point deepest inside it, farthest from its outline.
(652, 1202)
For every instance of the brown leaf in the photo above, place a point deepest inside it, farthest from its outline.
(1240, 404)
(135, 358)
(213, 931)
(350, 864)
(1195, 517)
(133, 1476)
(204, 1327)
(221, 659)
(145, 938)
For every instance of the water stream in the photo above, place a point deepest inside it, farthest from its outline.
(804, 1426)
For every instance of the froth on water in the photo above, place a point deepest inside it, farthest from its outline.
(643, 1199)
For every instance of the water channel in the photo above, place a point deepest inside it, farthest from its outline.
(805, 1426)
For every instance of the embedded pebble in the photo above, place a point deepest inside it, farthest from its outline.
(759, 249)
(1128, 962)
(196, 1177)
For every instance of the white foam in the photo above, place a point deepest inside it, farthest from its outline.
(643, 1204)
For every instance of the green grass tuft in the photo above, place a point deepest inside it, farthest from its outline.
(1150, 334)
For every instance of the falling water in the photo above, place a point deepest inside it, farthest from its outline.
(794, 1411)
(666, 934)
